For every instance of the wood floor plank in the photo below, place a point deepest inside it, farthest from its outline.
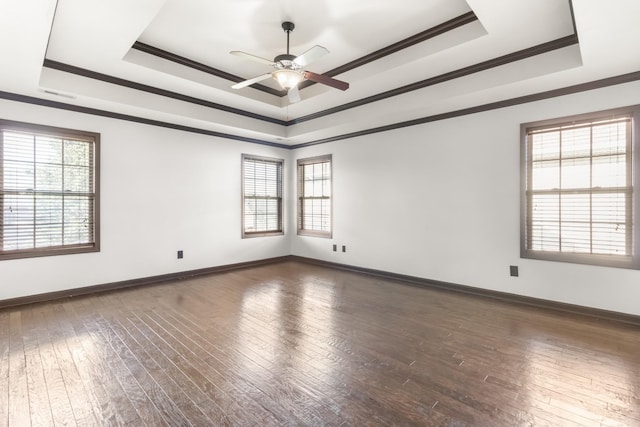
(78, 397)
(61, 409)
(193, 399)
(202, 357)
(245, 353)
(212, 386)
(182, 410)
(39, 407)
(135, 357)
(19, 413)
(355, 377)
(133, 390)
(83, 354)
(4, 367)
(117, 408)
(296, 344)
(258, 334)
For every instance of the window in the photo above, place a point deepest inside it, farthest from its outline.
(48, 190)
(578, 189)
(314, 196)
(261, 196)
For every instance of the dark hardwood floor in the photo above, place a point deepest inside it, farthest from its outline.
(298, 344)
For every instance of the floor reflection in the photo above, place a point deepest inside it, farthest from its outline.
(259, 341)
(588, 382)
(285, 335)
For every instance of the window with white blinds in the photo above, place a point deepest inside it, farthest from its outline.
(48, 191)
(261, 196)
(314, 196)
(579, 190)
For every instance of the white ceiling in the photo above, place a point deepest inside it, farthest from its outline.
(90, 61)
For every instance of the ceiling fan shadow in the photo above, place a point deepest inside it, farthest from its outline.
(311, 20)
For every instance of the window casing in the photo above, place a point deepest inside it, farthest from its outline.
(580, 189)
(315, 196)
(261, 196)
(49, 183)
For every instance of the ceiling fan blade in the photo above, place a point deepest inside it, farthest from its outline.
(294, 94)
(311, 55)
(252, 57)
(326, 80)
(251, 81)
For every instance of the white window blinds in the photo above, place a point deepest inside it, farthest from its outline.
(579, 189)
(47, 192)
(261, 196)
(314, 196)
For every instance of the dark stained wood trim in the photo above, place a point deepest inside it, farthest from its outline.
(595, 313)
(610, 81)
(420, 37)
(583, 87)
(160, 53)
(461, 20)
(103, 113)
(452, 75)
(483, 66)
(144, 281)
(573, 18)
(157, 91)
(427, 34)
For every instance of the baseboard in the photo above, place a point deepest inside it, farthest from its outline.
(49, 296)
(594, 313)
(590, 312)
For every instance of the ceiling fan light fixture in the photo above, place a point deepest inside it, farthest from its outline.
(288, 78)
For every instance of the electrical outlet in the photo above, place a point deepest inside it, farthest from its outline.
(335, 248)
(513, 270)
(344, 248)
(180, 255)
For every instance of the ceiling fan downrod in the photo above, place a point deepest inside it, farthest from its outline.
(288, 27)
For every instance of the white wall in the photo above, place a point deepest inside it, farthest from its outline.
(161, 190)
(438, 201)
(441, 201)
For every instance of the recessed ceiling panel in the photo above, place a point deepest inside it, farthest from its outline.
(93, 56)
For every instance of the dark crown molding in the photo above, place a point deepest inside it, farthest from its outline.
(461, 20)
(420, 37)
(135, 119)
(55, 65)
(452, 75)
(583, 87)
(437, 30)
(611, 81)
(160, 53)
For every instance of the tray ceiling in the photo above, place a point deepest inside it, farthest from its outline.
(168, 61)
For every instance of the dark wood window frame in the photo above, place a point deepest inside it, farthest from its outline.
(608, 214)
(323, 225)
(17, 189)
(270, 194)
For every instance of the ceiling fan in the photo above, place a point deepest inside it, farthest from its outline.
(289, 69)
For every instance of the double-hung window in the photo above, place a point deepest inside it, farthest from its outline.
(261, 196)
(48, 190)
(579, 189)
(314, 196)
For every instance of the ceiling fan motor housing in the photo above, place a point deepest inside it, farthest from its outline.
(286, 61)
(288, 26)
(289, 69)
